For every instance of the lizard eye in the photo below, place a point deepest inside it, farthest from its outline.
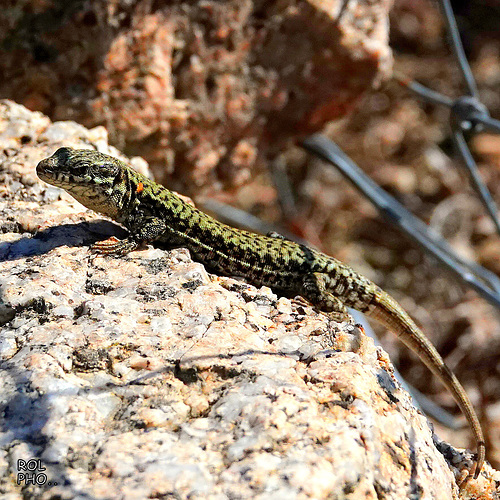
(63, 154)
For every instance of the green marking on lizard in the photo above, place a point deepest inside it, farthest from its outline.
(153, 213)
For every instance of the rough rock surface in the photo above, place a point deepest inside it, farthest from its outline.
(145, 377)
(205, 90)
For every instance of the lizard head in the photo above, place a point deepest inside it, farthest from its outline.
(91, 177)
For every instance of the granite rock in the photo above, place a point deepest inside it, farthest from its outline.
(146, 377)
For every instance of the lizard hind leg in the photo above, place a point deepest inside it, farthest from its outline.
(314, 290)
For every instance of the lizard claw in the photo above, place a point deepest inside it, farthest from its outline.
(114, 246)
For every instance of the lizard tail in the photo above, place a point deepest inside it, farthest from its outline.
(388, 312)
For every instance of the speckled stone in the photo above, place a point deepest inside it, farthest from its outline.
(146, 377)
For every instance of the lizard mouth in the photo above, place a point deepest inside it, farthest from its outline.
(44, 170)
(48, 171)
(49, 166)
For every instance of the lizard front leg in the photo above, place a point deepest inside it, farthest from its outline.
(142, 230)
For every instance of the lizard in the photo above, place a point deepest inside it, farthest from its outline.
(152, 213)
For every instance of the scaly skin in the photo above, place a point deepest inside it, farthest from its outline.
(153, 213)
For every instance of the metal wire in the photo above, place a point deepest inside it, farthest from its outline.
(425, 93)
(486, 283)
(457, 47)
(467, 112)
(461, 145)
